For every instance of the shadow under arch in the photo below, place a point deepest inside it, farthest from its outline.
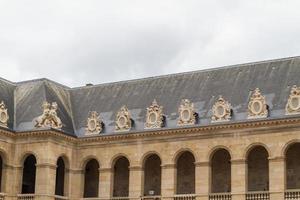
(181, 151)
(251, 146)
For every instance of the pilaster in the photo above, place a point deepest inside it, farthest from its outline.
(202, 178)
(238, 179)
(277, 179)
(168, 181)
(105, 183)
(135, 182)
(45, 181)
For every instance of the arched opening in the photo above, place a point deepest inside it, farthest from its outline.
(185, 174)
(121, 178)
(258, 169)
(91, 179)
(60, 177)
(220, 172)
(293, 167)
(29, 173)
(152, 175)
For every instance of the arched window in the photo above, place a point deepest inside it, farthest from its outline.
(91, 179)
(60, 177)
(152, 175)
(29, 172)
(258, 169)
(221, 172)
(293, 167)
(121, 178)
(185, 174)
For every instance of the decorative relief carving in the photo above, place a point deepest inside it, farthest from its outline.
(49, 118)
(123, 120)
(257, 107)
(3, 115)
(221, 110)
(293, 104)
(94, 124)
(154, 116)
(187, 114)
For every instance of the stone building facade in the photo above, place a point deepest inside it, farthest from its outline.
(220, 134)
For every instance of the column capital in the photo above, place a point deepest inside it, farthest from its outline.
(238, 161)
(46, 165)
(202, 164)
(168, 166)
(136, 168)
(105, 170)
(276, 159)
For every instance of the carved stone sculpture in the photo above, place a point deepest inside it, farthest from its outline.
(154, 116)
(187, 114)
(94, 124)
(293, 104)
(123, 120)
(257, 107)
(3, 115)
(221, 110)
(49, 118)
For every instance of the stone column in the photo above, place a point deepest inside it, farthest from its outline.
(105, 183)
(11, 181)
(238, 179)
(168, 181)
(76, 184)
(135, 182)
(45, 181)
(277, 178)
(202, 179)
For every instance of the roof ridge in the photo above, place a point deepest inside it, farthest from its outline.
(188, 72)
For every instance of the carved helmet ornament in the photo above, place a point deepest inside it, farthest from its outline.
(187, 114)
(293, 104)
(257, 107)
(123, 120)
(49, 118)
(3, 115)
(154, 116)
(94, 124)
(221, 110)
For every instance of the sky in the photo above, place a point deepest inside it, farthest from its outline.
(75, 42)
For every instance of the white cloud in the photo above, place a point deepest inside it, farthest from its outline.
(76, 42)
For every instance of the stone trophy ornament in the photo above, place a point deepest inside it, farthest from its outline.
(257, 107)
(154, 116)
(3, 115)
(49, 118)
(293, 104)
(123, 120)
(187, 114)
(221, 110)
(94, 124)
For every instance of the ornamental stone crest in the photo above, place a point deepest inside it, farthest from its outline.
(123, 120)
(221, 110)
(257, 107)
(94, 124)
(3, 115)
(49, 118)
(154, 116)
(293, 104)
(187, 114)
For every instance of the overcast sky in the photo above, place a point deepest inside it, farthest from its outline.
(78, 42)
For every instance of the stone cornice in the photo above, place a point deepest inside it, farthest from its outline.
(201, 130)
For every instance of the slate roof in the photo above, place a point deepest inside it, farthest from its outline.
(235, 83)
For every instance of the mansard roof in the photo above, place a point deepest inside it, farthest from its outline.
(235, 83)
